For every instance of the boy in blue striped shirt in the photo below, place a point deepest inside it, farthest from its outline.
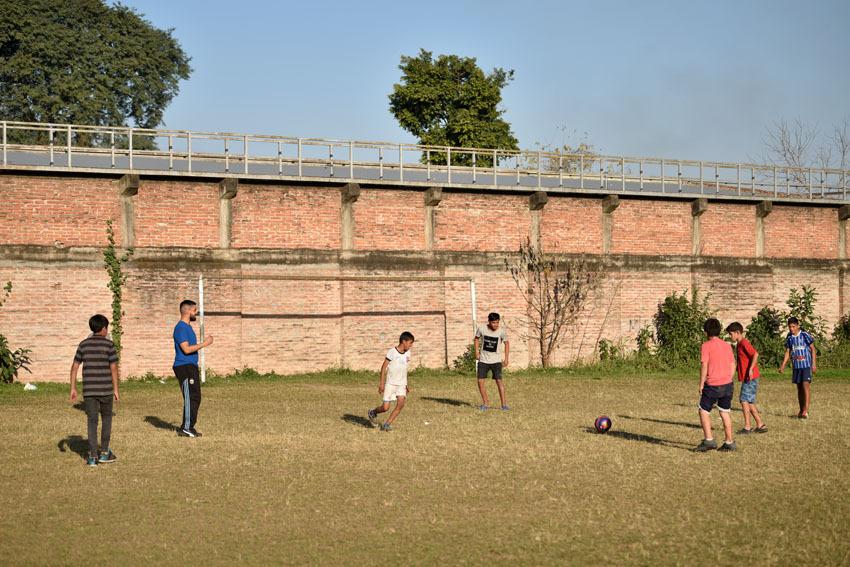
(800, 349)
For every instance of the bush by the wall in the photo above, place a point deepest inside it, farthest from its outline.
(765, 332)
(466, 361)
(678, 327)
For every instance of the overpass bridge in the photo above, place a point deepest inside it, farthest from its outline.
(182, 153)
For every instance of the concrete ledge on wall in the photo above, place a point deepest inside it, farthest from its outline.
(537, 200)
(227, 188)
(764, 208)
(128, 185)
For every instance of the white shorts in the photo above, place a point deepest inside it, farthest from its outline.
(393, 391)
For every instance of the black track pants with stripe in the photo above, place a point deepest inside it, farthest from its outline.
(190, 387)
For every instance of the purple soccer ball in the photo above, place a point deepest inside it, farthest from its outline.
(602, 424)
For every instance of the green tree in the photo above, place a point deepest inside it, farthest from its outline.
(450, 101)
(85, 62)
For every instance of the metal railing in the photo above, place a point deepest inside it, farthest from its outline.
(96, 148)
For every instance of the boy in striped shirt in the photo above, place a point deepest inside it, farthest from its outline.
(800, 349)
(100, 385)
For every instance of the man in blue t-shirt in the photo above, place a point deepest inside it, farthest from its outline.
(800, 349)
(186, 349)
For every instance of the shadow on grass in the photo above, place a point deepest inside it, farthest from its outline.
(640, 437)
(447, 401)
(160, 423)
(81, 405)
(76, 444)
(357, 420)
(665, 421)
(738, 410)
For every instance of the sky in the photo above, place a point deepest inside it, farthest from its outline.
(687, 80)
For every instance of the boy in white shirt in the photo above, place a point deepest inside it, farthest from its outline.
(393, 385)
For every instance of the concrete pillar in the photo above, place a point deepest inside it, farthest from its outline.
(536, 202)
(227, 189)
(432, 197)
(128, 187)
(843, 215)
(609, 205)
(350, 192)
(762, 210)
(698, 207)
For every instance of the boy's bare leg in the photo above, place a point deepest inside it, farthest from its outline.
(501, 386)
(756, 416)
(807, 393)
(727, 425)
(705, 421)
(482, 388)
(745, 409)
(382, 408)
(399, 405)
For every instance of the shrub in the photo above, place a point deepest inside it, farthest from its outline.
(765, 332)
(11, 361)
(801, 304)
(466, 361)
(678, 327)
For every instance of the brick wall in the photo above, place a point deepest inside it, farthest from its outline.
(57, 211)
(312, 312)
(652, 227)
(271, 216)
(801, 232)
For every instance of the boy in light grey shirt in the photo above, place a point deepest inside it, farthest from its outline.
(488, 359)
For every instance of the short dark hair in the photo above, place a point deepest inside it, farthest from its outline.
(712, 327)
(406, 336)
(793, 320)
(98, 322)
(186, 303)
(735, 327)
(493, 317)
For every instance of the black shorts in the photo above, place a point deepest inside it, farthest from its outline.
(484, 368)
(720, 395)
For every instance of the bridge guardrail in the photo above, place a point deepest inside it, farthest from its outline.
(71, 146)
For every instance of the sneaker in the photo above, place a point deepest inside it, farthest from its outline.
(727, 446)
(196, 432)
(386, 427)
(762, 429)
(505, 408)
(185, 433)
(483, 407)
(91, 461)
(107, 457)
(706, 445)
(745, 431)
(373, 417)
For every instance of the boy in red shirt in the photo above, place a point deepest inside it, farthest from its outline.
(717, 363)
(748, 376)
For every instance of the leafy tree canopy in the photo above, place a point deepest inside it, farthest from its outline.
(85, 62)
(450, 101)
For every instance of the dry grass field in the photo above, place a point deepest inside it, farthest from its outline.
(288, 472)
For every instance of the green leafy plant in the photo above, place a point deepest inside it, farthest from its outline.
(609, 351)
(117, 278)
(678, 327)
(466, 361)
(765, 332)
(801, 304)
(645, 340)
(11, 361)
